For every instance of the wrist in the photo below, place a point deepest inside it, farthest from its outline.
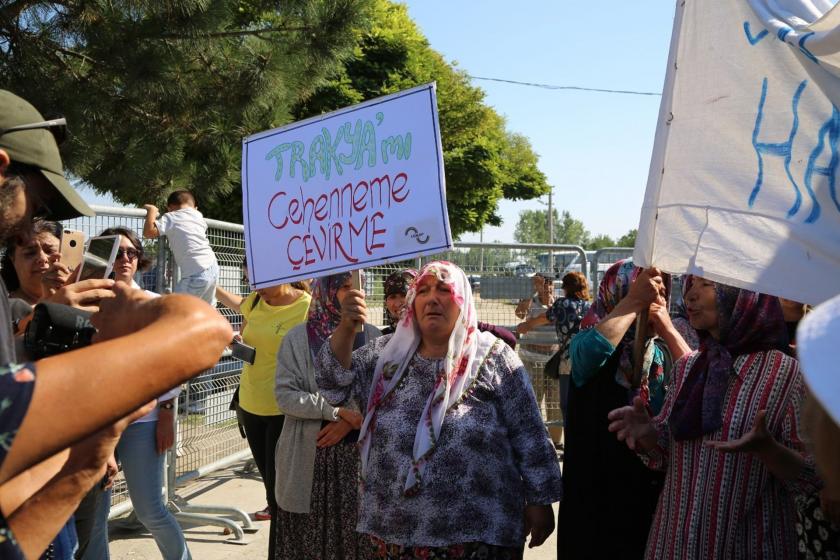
(167, 406)
(631, 304)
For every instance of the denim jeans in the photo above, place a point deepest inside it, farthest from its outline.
(143, 469)
(201, 284)
(96, 541)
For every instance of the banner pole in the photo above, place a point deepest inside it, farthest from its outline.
(639, 348)
(356, 279)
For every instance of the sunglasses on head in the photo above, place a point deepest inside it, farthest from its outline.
(58, 128)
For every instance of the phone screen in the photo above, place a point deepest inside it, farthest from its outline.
(99, 257)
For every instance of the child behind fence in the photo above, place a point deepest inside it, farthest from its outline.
(185, 228)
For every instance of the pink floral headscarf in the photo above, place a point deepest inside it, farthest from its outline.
(468, 349)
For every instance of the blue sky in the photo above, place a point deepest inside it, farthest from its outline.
(594, 147)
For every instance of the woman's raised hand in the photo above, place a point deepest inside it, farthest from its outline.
(648, 288)
(353, 310)
(659, 318)
(634, 426)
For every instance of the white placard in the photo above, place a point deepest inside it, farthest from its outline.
(350, 189)
(742, 185)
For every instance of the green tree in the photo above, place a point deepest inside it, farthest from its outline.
(628, 239)
(532, 227)
(159, 94)
(571, 231)
(484, 162)
(600, 241)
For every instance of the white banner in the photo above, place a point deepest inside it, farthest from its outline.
(354, 188)
(743, 179)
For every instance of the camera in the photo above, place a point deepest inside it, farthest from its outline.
(55, 329)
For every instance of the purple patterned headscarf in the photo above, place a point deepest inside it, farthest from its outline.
(324, 310)
(749, 322)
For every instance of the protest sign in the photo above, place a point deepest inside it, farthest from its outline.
(350, 189)
(742, 183)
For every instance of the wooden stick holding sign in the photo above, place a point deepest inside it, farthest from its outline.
(639, 348)
(356, 279)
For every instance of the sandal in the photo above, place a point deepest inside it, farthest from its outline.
(264, 515)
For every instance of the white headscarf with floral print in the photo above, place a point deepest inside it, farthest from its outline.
(468, 349)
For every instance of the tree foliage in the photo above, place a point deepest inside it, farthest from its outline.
(484, 162)
(600, 241)
(628, 239)
(532, 227)
(159, 93)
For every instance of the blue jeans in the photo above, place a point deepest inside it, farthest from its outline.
(143, 469)
(97, 547)
(201, 284)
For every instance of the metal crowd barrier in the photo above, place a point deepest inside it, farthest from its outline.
(207, 435)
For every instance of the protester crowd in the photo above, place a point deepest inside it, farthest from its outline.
(687, 437)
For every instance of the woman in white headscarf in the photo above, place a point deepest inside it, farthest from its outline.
(456, 460)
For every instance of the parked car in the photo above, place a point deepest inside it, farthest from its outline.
(475, 282)
(524, 270)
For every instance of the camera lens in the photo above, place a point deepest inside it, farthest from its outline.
(72, 242)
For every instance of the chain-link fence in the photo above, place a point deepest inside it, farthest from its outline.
(207, 435)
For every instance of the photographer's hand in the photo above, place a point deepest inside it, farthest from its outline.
(128, 311)
(85, 295)
(111, 470)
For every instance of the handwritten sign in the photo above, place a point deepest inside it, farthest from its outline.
(742, 186)
(349, 189)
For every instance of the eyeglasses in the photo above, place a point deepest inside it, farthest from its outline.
(129, 254)
(58, 128)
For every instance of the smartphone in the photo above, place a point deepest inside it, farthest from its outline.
(72, 248)
(98, 261)
(243, 352)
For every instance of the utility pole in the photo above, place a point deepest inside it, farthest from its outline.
(550, 230)
(481, 240)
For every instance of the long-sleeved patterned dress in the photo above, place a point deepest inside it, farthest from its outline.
(493, 455)
(729, 505)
